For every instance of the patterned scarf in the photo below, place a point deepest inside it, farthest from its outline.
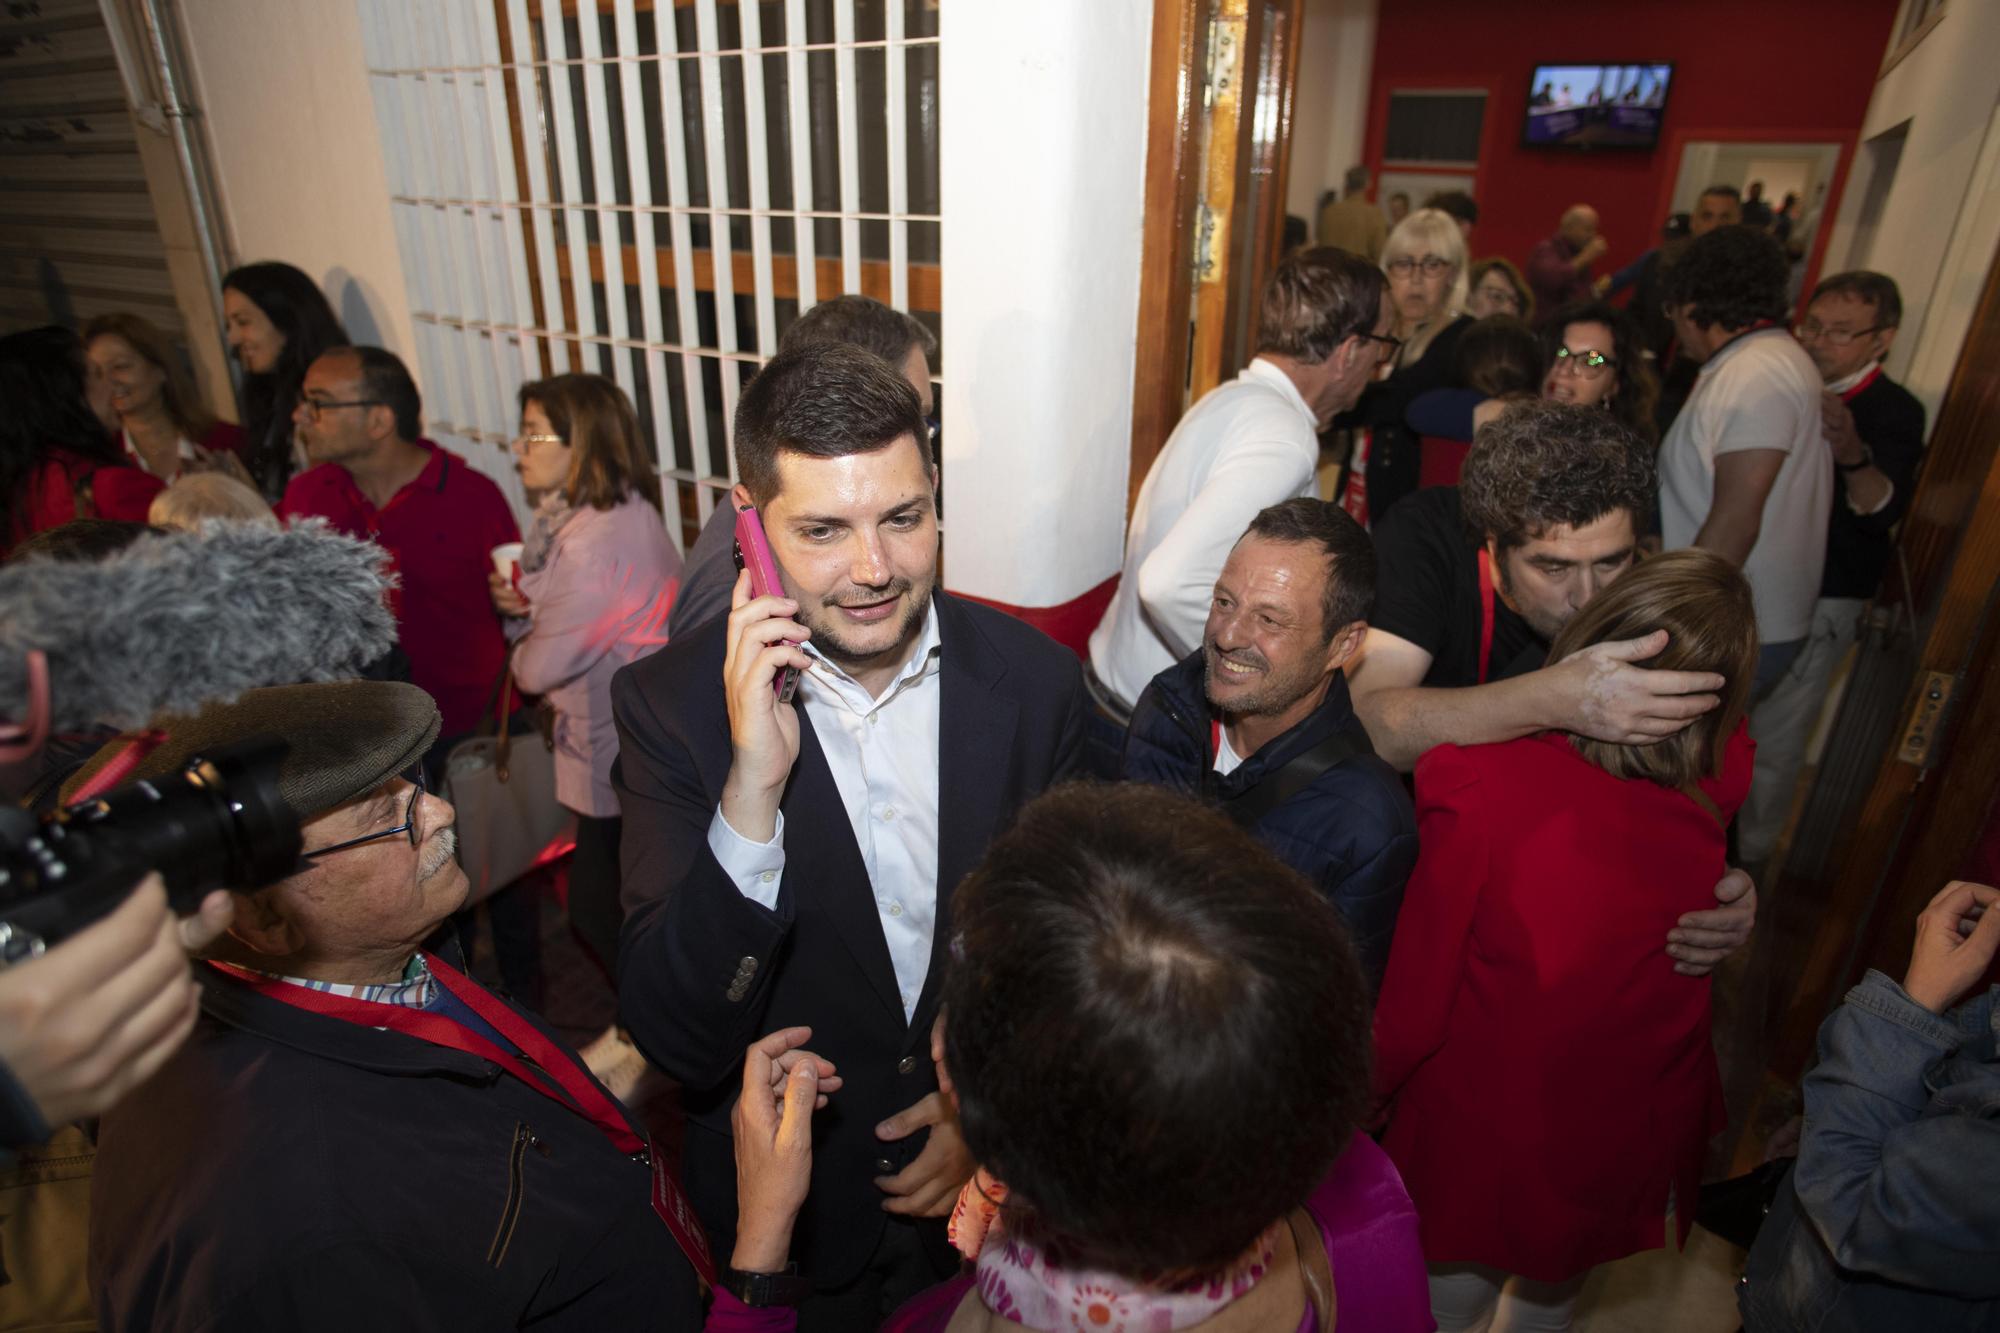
(1020, 1283)
(550, 515)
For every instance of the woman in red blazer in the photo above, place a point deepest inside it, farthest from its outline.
(1552, 1077)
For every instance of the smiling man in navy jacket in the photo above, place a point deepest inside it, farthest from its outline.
(794, 862)
(1259, 718)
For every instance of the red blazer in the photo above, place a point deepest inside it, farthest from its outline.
(1553, 1075)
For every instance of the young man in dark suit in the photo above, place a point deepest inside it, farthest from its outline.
(793, 862)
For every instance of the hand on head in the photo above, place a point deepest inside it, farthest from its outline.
(1612, 700)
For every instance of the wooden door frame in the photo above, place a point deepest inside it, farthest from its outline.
(1180, 350)
(1166, 263)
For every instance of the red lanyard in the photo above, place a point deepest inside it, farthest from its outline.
(548, 1069)
(1486, 614)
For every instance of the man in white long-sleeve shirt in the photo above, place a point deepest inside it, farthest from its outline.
(1249, 444)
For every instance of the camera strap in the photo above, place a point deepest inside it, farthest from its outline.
(542, 1064)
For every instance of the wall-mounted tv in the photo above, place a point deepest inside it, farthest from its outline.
(1596, 106)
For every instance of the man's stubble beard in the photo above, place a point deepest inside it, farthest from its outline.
(827, 641)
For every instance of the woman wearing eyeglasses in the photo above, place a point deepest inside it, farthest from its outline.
(598, 575)
(1593, 357)
(1424, 259)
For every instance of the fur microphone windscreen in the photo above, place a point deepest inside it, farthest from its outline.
(177, 621)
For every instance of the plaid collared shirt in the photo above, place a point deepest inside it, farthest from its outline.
(414, 991)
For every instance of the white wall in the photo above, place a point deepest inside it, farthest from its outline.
(1941, 220)
(286, 106)
(1043, 115)
(1330, 103)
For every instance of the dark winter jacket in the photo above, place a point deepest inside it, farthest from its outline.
(290, 1170)
(1352, 831)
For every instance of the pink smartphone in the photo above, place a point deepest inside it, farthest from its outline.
(753, 552)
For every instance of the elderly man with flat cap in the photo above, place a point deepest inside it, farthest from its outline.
(359, 1136)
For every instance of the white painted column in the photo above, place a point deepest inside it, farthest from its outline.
(1043, 115)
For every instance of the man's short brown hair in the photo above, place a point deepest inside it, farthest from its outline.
(1318, 299)
(1543, 465)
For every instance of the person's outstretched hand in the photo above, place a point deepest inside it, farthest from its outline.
(97, 1014)
(1956, 939)
(782, 1086)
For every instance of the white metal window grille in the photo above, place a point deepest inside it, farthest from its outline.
(651, 191)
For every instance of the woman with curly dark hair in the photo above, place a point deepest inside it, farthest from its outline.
(277, 322)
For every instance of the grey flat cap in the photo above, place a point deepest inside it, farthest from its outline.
(347, 738)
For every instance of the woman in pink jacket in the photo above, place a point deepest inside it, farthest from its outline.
(598, 575)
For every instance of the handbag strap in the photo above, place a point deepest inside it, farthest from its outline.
(1294, 776)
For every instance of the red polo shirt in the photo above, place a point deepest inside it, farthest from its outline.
(440, 531)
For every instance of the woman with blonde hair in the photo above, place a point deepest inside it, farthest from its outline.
(1424, 259)
(1527, 976)
(598, 574)
(163, 426)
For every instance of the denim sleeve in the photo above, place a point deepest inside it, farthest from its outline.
(1899, 1168)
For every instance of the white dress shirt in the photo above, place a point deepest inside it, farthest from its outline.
(1248, 444)
(884, 757)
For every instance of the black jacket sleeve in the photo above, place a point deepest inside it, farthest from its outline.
(688, 930)
(1895, 435)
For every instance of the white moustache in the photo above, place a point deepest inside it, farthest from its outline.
(445, 846)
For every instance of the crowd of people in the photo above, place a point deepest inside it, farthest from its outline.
(1236, 977)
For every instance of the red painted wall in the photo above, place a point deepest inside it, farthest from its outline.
(1769, 69)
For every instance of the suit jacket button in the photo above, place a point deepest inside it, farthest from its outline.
(747, 966)
(884, 1166)
(739, 988)
(906, 1065)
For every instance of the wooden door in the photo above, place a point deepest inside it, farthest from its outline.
(1908, 779)
(1219, 127)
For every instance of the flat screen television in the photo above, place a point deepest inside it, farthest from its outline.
(1596, 106)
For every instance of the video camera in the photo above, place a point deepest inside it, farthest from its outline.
(218, 823)
(162, 629)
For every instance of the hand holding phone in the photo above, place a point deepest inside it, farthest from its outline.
(753, 553)
(760, 675)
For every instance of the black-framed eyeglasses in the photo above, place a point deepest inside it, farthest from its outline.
(409, 826)
(1586, 363)
(1403, 265)
(314, 406)
(1813, 331)
(1391, 347)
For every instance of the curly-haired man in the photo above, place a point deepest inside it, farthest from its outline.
(1475, 581)
(1744, 472)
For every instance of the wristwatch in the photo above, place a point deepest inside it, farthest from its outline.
(762, 1290)
(1867, 460)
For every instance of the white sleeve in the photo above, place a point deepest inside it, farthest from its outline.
(1177, 581)
(756, 868)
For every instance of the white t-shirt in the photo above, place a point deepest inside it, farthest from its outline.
(1226, 759)
(1247, 445)
(1760, 392)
